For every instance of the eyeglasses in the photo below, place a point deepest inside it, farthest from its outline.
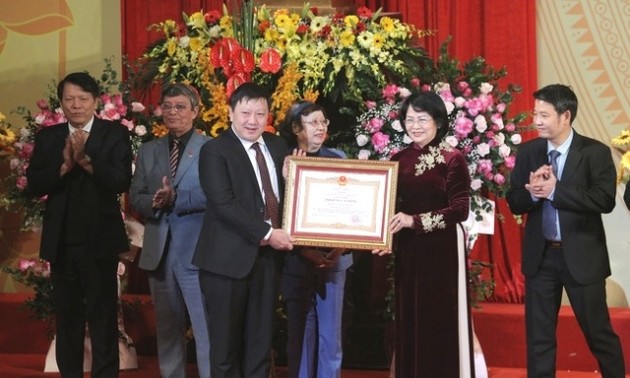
(168, 107)
(317, 123)
(409, 122)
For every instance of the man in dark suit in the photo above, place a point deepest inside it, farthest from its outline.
(82, 166)
(165, 190)
(241, 175)
(564, 244)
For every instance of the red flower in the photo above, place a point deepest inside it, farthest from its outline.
(235, 81)
(264, 25)
(302, 29)
(270, 61)
(315, 11)
(364, 12)
(243, 60)
(360, 28)
(212, 17)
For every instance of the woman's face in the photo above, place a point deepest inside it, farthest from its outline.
(420, 127)
(313, 133)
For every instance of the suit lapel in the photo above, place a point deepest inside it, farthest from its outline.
(241, 156)
(574, 157)
(190, 154)
(161, 157)
(96, 137)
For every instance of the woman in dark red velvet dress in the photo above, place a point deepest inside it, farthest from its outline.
(432, 313)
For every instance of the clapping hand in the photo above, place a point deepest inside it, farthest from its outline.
(163, 197)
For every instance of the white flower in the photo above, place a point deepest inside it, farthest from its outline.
(404, 92)
(499, 139)
(451, 140)
(215, 31)
(485, 88)
(516, 139)
(397, 126)
(24, 132)
(140, 130)
(440, 86)
(14, 163)
(449, 107)
(137, 107)
(481, 123)
(407, 139)
(364, 154)
(504, 150)
(184, 41)
(475, 184)
(483, 149)
(40, 118)
(362, 140)
(460, 101)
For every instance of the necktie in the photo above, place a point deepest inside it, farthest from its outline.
(271, 202)
(550, 213)
(174, 157)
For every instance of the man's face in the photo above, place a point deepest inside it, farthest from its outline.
(178, 114)
(249, 118)
(550, 124)
(78, 105)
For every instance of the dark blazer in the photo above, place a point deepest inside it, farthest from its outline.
(233, 223)
(586, 189)
(109, 148)
(626, 195)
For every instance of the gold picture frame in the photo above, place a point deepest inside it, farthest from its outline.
(340, 203)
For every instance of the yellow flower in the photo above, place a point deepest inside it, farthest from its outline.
(169, 27)
(351, 21)
(346, 38)
(378, 41)
(196, 44)
(317, 24)
(625, 160)
(271, 35)
(171, 46)
(218, 128)
(622, 140)
(197, 20)
(7, 136)
(282, 21)
(2, 118)
(388, 24)
(311, 95)
(158, 130)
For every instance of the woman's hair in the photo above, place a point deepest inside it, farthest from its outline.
(431, 103)
(293, 120)
(181, 89)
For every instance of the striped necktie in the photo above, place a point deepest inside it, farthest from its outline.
(174, 157)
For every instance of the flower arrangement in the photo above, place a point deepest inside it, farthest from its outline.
(622, 144)
(7, 137)
(35, 274)
(112, 106)
(329, 58)
(479, 122)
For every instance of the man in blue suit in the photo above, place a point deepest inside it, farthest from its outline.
(165, 190)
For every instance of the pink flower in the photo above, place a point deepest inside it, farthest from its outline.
(370, 104)
(510, 127)
(509, 161)
(484, 166)
(389, 93)
(374, 125)
(42, 104)
(20, 182)
(380, 141)
(463, 126)
(499, 179)
(415, 82)
(128, 124)
(26, 151)
(23, 265)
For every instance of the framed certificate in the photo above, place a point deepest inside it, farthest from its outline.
(339, 202)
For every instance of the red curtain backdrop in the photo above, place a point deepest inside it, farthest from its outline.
(501, 31)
